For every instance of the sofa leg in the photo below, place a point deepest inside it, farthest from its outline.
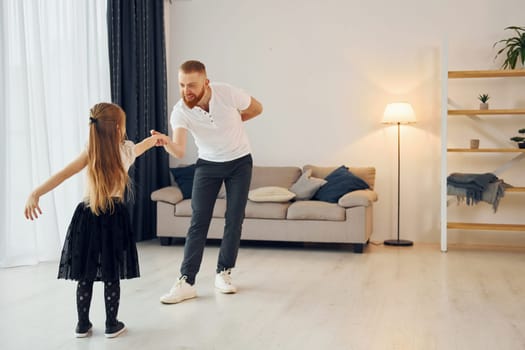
(165, 241)
(358, 248)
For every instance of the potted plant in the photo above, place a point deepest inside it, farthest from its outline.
(483, 98)
(519, 139)
(515, 47)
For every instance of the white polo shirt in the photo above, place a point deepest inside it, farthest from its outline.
(219, 134)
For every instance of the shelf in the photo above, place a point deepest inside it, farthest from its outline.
(486, 73)
(486, 111)
(515, 189)
(489, 227)
(479, 116)
(508, 189)
(485, 150)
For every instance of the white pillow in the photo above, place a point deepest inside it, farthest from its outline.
(270, 194)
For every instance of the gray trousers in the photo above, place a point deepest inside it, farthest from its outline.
(209, 176)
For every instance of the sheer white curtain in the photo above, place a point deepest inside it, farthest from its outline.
(54, 66)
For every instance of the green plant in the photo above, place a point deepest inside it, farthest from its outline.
(515, 47)
(519, 138)
(483, 98)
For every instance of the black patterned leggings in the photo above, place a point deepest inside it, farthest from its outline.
(111, 300)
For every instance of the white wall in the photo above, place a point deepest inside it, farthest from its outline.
(324, 71)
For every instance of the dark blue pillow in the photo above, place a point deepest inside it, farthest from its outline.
(184, 178)
(339, 182)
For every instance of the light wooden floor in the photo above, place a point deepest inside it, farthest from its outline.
(289, 298)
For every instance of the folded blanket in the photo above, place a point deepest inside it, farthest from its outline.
(492, 195)
(471, 180)
(474, 184)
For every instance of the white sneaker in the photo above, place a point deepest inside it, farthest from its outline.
(180, 291)
(223, 282)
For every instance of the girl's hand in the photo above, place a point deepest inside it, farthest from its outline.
(152, 140)
(32, 209)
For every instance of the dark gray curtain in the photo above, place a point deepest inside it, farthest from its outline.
(137, 53)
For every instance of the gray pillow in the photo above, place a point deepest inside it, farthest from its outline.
(306, 186)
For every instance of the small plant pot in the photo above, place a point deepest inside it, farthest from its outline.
(474, 144)
(483, 106)
(521, 145)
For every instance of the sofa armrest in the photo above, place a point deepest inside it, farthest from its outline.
(359, 198)
(170, 194)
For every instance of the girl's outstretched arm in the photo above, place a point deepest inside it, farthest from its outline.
(146, 144)
(32, 209)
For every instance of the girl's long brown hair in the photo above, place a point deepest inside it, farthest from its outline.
(107, 178)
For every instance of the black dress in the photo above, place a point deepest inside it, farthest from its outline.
(99, 248)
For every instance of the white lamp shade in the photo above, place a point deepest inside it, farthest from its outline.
(399, 112)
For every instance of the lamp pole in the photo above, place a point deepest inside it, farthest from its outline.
(398, 242)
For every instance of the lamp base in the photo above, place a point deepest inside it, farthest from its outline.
(398, 242)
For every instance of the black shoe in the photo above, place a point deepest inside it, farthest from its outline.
(115, 330)
(83, 330)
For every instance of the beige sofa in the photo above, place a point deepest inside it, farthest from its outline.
(348, 221)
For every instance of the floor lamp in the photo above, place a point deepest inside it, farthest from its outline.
(398, 113)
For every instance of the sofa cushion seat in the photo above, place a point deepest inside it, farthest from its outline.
(266, 210)
(316, 210)
(184, 208)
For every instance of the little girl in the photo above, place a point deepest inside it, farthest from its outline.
(99, 244)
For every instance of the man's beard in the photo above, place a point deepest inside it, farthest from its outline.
(196, 100)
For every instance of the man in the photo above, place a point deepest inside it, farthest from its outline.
(213, 113)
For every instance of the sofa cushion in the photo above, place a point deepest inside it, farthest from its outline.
(270, 194)
(274, 176)
(184, 178)
(359, 198)
(170, 194)
(315, 210)
(366, 173)
(306, 186)
(340, 182)
(256, 210)
(184, 208)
